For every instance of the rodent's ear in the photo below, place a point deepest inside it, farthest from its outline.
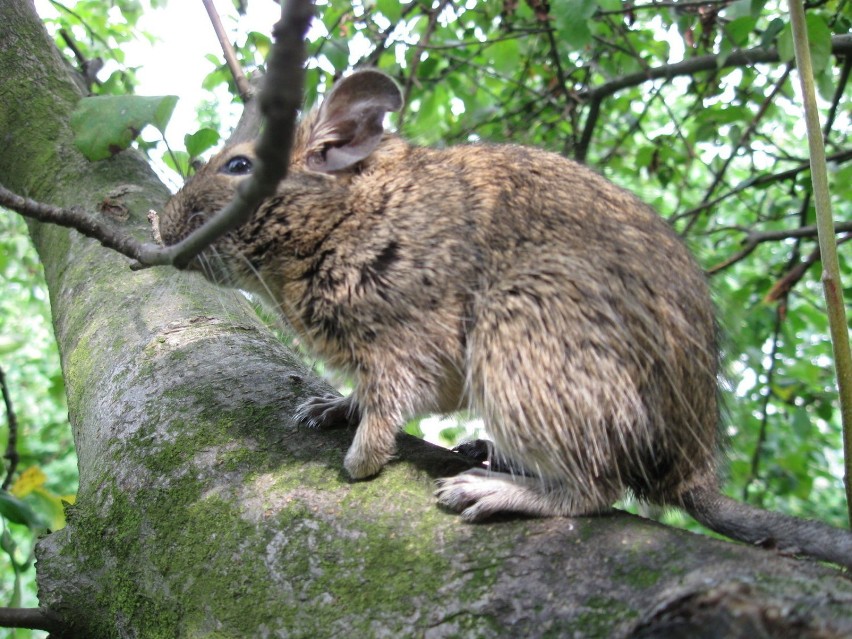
(348, 125)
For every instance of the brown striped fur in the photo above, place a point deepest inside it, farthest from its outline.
(503, 279)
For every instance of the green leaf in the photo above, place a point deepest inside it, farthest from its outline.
(337, 52)
(18, 512)
(391, 9)
(572, 21)
(610, 5)
(178, 161)
(819, 37)
(771, 32)
(785, 44)
(739, 30)
(802, 424)
(505, 55)
(757, 7)
(164, 107)
(198, 142)
(413, 428)
(738, 9)
(819, 41)
(106, 125)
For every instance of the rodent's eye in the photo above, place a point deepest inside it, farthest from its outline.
(238, 165)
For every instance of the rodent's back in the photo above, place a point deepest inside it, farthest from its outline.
(511, 226)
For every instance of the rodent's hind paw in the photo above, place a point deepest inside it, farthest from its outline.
(479, 494)
(329, 411)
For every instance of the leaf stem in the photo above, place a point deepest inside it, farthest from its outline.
(832, 289)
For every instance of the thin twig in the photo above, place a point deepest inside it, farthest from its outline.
(839, 91)
(240, 79)
(679, 6)
(92, 33)
(373, 58)
(720, 174)
(415, 61)
(754, 469)
(782, 287)
(88, 68)
(12, 445)
(756, 238)
(280, 101)
(82, 222)
(840, 157)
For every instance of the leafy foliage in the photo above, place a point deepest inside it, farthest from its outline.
(718, 148)
(47, 466)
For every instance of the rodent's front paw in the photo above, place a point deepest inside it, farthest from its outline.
(330, 411)
(361, 463)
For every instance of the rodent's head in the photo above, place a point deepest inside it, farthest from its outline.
(332, 141)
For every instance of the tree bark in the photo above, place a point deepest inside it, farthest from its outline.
(204, 511)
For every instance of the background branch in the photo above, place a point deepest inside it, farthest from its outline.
(746, 134)
(761, 180)
(839, 45)
(12, 420)
(243, 86)
(756, 238)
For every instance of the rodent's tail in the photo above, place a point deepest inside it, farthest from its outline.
(753, 525)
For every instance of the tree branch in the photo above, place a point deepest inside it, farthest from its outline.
(32, 618)
(243, 86)
(415, 61)
(839, 45)
(78, 220)
(754, 468)
(720, 174)
(756, 238)
(678, 6)
(840, 157)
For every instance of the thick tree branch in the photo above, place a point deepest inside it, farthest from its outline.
(32, 618)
